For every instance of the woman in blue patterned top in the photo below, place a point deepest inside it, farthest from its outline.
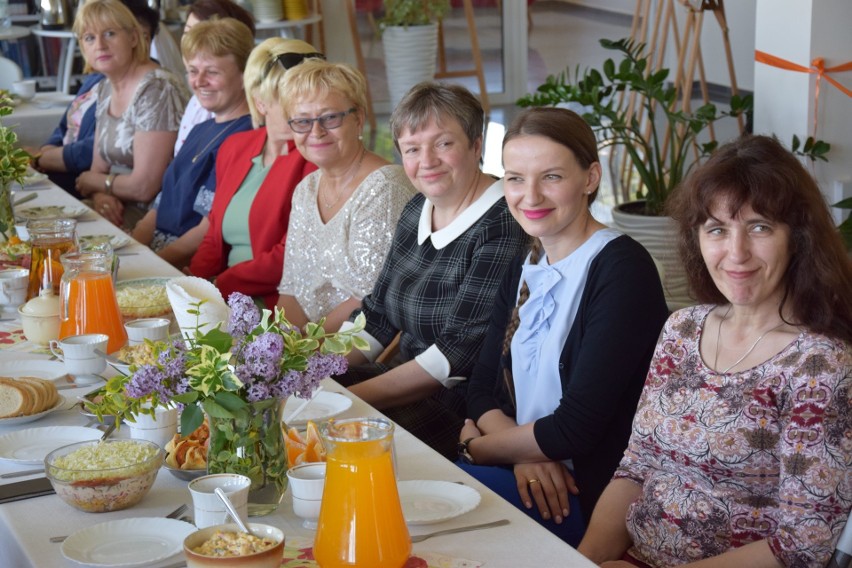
(436, 289)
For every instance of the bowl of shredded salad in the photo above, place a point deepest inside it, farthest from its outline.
(101, 476)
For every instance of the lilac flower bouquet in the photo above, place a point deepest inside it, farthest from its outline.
(238, 378)
(259, 356)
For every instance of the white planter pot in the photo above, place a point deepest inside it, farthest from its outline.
(659, 236)
(410, 55)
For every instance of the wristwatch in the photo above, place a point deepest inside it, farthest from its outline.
(464, 452)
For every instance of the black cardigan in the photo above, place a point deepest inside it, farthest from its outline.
(603, 364)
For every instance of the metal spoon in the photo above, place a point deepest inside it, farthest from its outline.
(24, 199)
(422, 537)
(232, 511)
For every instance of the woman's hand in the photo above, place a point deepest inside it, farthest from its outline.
(548, 483)
(110, 207)
(469, 430)
(89, 183)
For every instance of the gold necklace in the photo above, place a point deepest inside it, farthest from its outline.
(747, 353)
(207, 147)
(345, 184)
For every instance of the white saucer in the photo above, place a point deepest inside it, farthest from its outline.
(31, 446)
(324, 406)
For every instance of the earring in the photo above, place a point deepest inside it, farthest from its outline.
(360, 136)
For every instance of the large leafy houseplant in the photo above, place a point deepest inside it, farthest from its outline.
(13, 168)
(661, 141)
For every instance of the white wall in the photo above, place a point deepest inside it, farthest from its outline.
(799, 31)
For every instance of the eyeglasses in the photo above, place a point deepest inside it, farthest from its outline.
(327, 121)
(290, 60)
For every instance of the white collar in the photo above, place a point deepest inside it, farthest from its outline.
(460, 224)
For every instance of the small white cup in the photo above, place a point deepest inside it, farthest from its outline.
(159, 428)
(154, 329)
(13, 286)
(307, 482)
(78, 353)
(25, 89)
(208, 509)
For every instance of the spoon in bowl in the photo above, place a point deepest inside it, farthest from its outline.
(232, 510)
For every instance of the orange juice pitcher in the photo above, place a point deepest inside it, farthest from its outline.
(360, 522)
(87, 298)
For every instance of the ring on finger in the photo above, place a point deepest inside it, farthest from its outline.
(531, 481)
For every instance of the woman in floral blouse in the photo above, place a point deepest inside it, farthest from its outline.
(740, 451)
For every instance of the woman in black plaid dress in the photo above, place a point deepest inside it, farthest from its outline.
(436, 289)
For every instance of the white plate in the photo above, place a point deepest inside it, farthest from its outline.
(50, 370)
(51, 212)
(32, 445)
(115, 241)
(426, 502)
(32, 417)
(127, 542)
(326, 405)
(32, 176)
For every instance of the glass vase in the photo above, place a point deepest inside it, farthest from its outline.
(251, 443)
(7, 216)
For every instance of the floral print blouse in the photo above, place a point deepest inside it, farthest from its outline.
(729, 459)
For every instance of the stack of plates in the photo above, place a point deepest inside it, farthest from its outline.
(295, 9)
(268, 10)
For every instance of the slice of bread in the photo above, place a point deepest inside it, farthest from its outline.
(13, 399)
(45, 398)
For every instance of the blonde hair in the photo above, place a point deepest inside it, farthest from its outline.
(99, 15)
(262, 72)
(219, 38)
(316, 78)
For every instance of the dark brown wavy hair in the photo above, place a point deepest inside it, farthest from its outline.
(757, 171)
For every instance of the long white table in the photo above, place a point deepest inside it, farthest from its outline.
(35, 120)
(25, 526)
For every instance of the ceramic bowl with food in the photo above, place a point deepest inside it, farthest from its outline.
(98, 477)
(143, 298)
(225, 545)
(185, 474)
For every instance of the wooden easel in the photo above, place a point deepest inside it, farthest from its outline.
(689, 59)
(359, 61)
(477, 72)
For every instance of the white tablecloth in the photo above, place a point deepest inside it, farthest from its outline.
(35, 120)
(26, 525)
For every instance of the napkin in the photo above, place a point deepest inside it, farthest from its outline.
(186, 291)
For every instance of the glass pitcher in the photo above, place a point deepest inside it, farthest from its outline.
(87, 298)
(50, 238)
(360, 522)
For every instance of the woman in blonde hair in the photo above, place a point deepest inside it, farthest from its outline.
(216, 52)
(256, 173)
(138, 113)
(344, 214)
(576, 322)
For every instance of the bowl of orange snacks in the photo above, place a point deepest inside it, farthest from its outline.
(304, 446)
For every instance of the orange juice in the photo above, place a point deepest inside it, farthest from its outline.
(89, 306)
(361, 522)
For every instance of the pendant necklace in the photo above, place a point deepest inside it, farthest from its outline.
(747, 353)
(207, 147)
(346, 183)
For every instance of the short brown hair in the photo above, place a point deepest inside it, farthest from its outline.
(219, 38)
(757, 171)
(431, 100)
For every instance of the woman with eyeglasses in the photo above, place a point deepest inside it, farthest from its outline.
(344, 214)
(256, 173)
(216, 52)
(138, 112)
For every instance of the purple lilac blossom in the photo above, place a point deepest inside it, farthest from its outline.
(258, 391)
(244, 315)
(289, 383)
(146, 380)
(262, 356)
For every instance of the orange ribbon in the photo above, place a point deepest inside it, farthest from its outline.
(817, 66)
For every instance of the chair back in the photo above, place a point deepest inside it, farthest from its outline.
(9, 73)
(842, 557)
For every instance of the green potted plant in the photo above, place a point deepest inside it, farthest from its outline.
(410, 41)
(13, 168)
